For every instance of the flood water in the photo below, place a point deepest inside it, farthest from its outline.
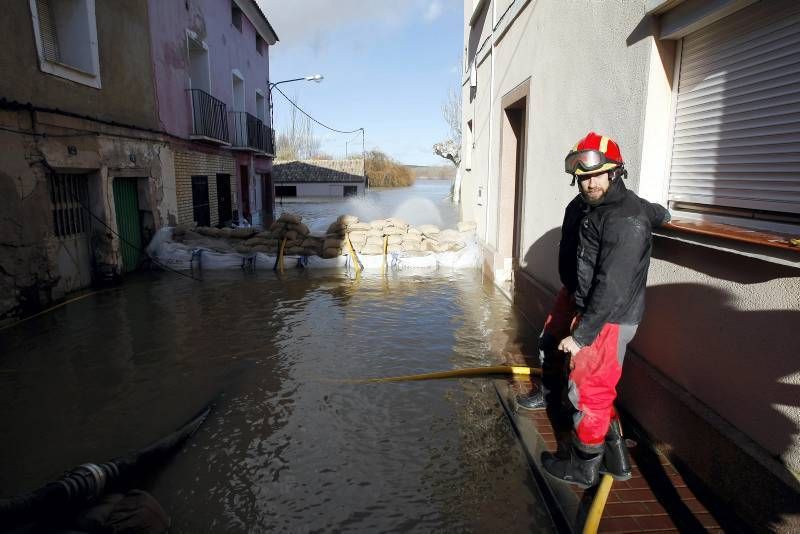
(291, 445)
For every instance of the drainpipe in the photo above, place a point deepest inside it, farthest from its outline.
(491, 132)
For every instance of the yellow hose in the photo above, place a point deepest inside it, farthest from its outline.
(280, 256)
(598, 505)
(457, 373)
(353, 254)
(53, 308)
(385, 251)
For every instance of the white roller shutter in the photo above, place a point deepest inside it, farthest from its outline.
(736, 141)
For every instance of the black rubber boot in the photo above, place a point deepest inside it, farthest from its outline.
(580, 467)
(616, 461)
(532, 401)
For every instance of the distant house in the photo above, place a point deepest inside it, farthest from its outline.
(309, 180)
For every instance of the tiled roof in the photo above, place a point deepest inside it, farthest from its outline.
(319, 171)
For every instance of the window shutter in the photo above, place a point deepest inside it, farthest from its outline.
(736, 141)
(47, 30)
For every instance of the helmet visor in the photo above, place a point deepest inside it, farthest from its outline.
(585, 160)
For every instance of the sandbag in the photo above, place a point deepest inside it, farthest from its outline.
(395, 239)
(358, 236)
(346, 220)
(359, 227)
(243, 233)
(394, 248)
(449, 235)
(331, 252)
(411, 246)
(312, 242)
(412, 238)
(290, 235)
(430, 229)
(377, 224)
(226, 232)
(299, 228)
(332, 243)
(372, 249)
(208, 231)
(289, 218)
(393, 230)
(399, 223)
(414, 231)
(277, 226)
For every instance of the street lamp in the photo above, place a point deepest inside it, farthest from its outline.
(312, 78)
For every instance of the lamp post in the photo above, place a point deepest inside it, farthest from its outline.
(312, 78)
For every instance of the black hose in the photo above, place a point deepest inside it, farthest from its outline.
(86, 483)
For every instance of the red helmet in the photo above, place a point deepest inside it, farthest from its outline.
(593, 154)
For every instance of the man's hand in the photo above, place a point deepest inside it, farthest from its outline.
(568, 344)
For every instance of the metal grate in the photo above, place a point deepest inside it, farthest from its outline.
(47, 30)
(737, 119)
(68, 194)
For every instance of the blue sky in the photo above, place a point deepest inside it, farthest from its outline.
(388, 65)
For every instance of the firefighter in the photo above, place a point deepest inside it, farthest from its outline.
(603, 259)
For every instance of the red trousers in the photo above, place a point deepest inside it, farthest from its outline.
(597, 369)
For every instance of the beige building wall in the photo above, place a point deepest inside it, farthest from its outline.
(188, 164)
(715, 345)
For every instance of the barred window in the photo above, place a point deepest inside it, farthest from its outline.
(69, 193)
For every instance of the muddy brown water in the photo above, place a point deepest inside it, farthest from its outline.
(290, 446)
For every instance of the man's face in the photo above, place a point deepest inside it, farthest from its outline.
(594, 187)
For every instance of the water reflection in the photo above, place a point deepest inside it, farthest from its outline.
(288, 448)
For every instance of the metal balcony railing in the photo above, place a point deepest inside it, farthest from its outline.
(209, 116)
(248, 132)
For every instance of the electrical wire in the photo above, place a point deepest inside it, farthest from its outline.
(36, 134)
(301, 110)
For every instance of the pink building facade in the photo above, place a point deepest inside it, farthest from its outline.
(211, 71)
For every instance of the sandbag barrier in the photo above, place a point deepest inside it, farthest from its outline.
(347, 244)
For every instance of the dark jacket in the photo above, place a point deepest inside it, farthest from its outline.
(604, 255)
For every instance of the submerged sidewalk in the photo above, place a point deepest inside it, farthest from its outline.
(655, 499)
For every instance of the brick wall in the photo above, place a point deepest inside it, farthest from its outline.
(188, 164)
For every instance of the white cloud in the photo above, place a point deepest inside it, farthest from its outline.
(311, 22)
(433, 11)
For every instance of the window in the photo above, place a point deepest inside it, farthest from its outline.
(199, 72)
(66, 39)
(285, 190)
(736, 133)
(350, 190)
(261, 44)
(260, 103)
(69, 193)
(236, 16)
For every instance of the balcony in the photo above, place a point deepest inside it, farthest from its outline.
(208, 118)
(249, 133)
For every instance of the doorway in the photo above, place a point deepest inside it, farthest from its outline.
(224, 201)
(244, 177)
(129, 222)
(512, 179)
(201, 210)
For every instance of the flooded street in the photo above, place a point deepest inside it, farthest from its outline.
(291, 446)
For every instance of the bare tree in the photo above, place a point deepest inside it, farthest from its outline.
(450, 149)
(297, 139)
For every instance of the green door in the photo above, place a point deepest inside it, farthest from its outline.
(126, 202)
